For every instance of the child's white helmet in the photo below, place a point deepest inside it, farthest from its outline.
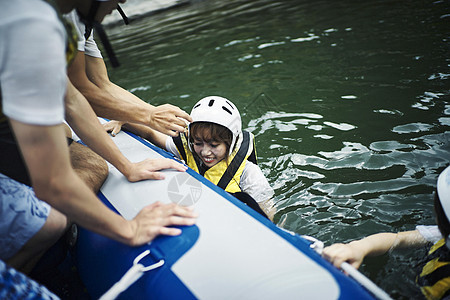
(443, 190)
(219, 110)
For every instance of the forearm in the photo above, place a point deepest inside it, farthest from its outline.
(380, 243)
(101, 94)
(73, 198)
(374, 245)
(119, 104)
(46, 155)
(84, 122)
(109, 104)
(156, 137)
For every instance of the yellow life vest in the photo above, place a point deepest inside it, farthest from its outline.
(434, 279)
(227, 173)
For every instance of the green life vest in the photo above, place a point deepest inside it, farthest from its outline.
(227, 173)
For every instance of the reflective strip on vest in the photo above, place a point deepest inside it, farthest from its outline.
(434, 279)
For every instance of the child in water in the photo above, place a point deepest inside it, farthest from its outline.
(217, 148)
(434, 274)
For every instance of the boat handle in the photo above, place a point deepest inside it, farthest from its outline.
(151, 267)
(131, 276)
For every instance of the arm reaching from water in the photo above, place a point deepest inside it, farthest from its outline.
(373, 245)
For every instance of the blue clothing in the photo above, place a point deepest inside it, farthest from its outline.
(22, 215)
(15, 285)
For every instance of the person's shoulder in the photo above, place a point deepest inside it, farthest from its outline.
(250, 165)
(20, 10)
(430, 233)
(252, 171)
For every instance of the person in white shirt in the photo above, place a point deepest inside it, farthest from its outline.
(88, 73)
(36, 98)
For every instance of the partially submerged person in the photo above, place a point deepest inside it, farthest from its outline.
(217, 148)
(434, 274)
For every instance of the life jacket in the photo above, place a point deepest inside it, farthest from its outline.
(434, 278)
(71, 51)
(227, 173)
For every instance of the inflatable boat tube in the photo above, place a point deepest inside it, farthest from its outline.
(231, 253)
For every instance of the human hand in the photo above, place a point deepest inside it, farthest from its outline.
(169, 119)
(146, 169)
(156, 219)
(339, 253)
(113, 127)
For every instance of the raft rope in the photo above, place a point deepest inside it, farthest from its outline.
(131, 276)
(318, 246)
(137, 270)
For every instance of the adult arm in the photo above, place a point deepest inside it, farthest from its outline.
(90, 77)
(145, 132)
(373, 245)
(45, 151)
(83, 121)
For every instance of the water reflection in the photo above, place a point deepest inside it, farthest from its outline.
(348, 100)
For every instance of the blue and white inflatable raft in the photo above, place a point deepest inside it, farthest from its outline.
(231, 253)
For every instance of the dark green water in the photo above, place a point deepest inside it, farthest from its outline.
(349, 101)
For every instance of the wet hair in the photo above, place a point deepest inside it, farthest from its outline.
(442, 221)
(210, 132)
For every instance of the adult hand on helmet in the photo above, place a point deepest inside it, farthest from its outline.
(169, 119)
(156, 219)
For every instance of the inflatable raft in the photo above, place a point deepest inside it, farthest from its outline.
(231, 253)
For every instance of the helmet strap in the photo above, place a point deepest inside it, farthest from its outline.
(90, 24)
(106, 44)
(89, 19)
(124, 16)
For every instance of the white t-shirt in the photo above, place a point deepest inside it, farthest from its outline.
(431, 233)
(89, 46)
(253, 181)
(32, 62)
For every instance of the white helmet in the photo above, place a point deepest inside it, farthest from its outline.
(443, 190)
(219, 110)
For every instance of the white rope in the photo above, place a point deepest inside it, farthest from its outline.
(318, 246)
(365, 282)
(130, 277)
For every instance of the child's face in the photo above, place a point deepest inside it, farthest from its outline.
(210, 152)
